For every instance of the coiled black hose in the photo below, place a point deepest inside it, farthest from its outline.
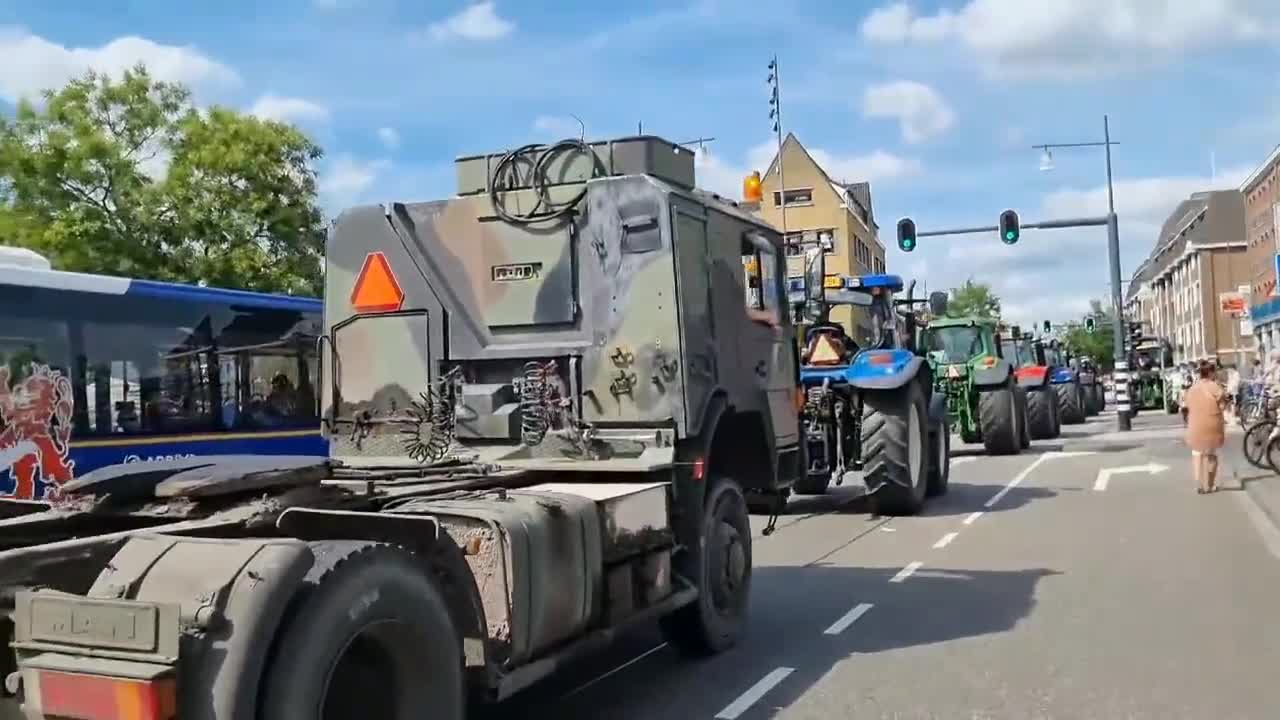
(545, 210)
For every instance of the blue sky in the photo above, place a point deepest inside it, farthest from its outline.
(936, 103)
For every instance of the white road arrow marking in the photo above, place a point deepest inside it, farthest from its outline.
(1104, 475)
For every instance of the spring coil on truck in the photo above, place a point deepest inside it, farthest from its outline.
(535, 396)
(436, 412)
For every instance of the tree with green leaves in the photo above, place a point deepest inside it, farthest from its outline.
(1096, 344)
(974, 299)
(128, 177)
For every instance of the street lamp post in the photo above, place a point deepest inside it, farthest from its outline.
(1121, 373)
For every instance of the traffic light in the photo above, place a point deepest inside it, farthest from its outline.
(1048, 327)
(907, 234)
(1009, 229)
(1088, 324)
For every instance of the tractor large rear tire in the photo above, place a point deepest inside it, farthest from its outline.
(1089, 401)
(1042, 413)
(1069, 403)
(895, 448)
(1024, 432)
(939, 460)
(998, 416)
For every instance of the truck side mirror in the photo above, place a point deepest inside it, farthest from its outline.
(815, 273)
(937, 303)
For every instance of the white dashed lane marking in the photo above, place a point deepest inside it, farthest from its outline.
(753, 695)
(906, 572)
(849, 618)
(945, 541)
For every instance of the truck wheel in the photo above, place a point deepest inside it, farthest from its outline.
(1024, 431)
(1069, 403)
(939, 460)
(1042, 410)
(895, 459)
(368, 635)
(998, 414)
(714, 622)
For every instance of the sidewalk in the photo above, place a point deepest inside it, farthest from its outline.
(1263, 486)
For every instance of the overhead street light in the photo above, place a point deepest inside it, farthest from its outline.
(1113, 248)
(1046, 161)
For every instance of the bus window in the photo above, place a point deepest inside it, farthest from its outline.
(269, 364)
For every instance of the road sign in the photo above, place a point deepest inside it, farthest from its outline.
(1233, 303)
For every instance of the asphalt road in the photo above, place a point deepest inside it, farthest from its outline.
(1039, 587)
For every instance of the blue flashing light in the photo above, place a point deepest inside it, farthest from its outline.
(890, 282)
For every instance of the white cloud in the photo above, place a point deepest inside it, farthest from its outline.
(1083, 38)
(288, 109)
(919, 109)
(724, 177)
(389, 137)
(875, 166)
(32, 64)
(346, 178)
(479, 21)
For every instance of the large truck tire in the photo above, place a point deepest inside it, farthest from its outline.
(716, 620)
(1024, 431)
(1042, 414)
(1069, 403)
(895, 452)
(939, 460)
(998, 415)
(1089, 400)
(367, 635)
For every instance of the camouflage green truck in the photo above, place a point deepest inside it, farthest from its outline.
(548, 399)
(984, 401)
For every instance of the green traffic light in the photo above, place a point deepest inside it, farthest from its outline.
(1011, 235)
(908, 243)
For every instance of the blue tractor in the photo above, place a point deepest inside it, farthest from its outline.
(869, 403)
(1072, 402)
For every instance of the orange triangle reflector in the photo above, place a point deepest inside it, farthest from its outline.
(824, 352)
(377, 289)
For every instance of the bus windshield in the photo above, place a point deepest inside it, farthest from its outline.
(123, 376)
(957, 344)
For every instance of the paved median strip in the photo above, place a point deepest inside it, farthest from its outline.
(849, 618)
(753, 695)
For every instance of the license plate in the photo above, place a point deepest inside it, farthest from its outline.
(115, 624)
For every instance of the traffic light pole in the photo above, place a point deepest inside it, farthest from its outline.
(1121, 368)
(1044, 225)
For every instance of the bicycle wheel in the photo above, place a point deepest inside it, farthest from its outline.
(1255, 443)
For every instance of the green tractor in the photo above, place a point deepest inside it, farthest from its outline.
(1149, 362)
(984, 401)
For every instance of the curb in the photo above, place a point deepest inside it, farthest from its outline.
(1263, 520)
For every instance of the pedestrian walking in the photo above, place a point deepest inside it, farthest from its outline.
(1206, 427)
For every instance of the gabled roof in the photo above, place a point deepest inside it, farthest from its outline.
(847, 192)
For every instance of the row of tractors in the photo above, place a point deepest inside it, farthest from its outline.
(886, 404)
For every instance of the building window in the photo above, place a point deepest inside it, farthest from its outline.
(797, 241)
(797, 196)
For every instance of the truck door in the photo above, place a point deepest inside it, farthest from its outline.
(768, 349)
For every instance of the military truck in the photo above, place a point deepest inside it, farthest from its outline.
(984, 400)
(547, 400)
(1026, 352)
(869, 402)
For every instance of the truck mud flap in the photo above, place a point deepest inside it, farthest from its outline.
(201, 609)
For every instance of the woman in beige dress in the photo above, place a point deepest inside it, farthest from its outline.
(1206, 427)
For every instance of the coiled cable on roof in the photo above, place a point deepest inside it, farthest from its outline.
(506, 177)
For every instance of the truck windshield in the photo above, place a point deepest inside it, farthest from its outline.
(957, 344)
(1017, 352)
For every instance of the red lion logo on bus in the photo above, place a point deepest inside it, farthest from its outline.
(35, 415)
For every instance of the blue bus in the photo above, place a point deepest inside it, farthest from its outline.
(98, 370)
